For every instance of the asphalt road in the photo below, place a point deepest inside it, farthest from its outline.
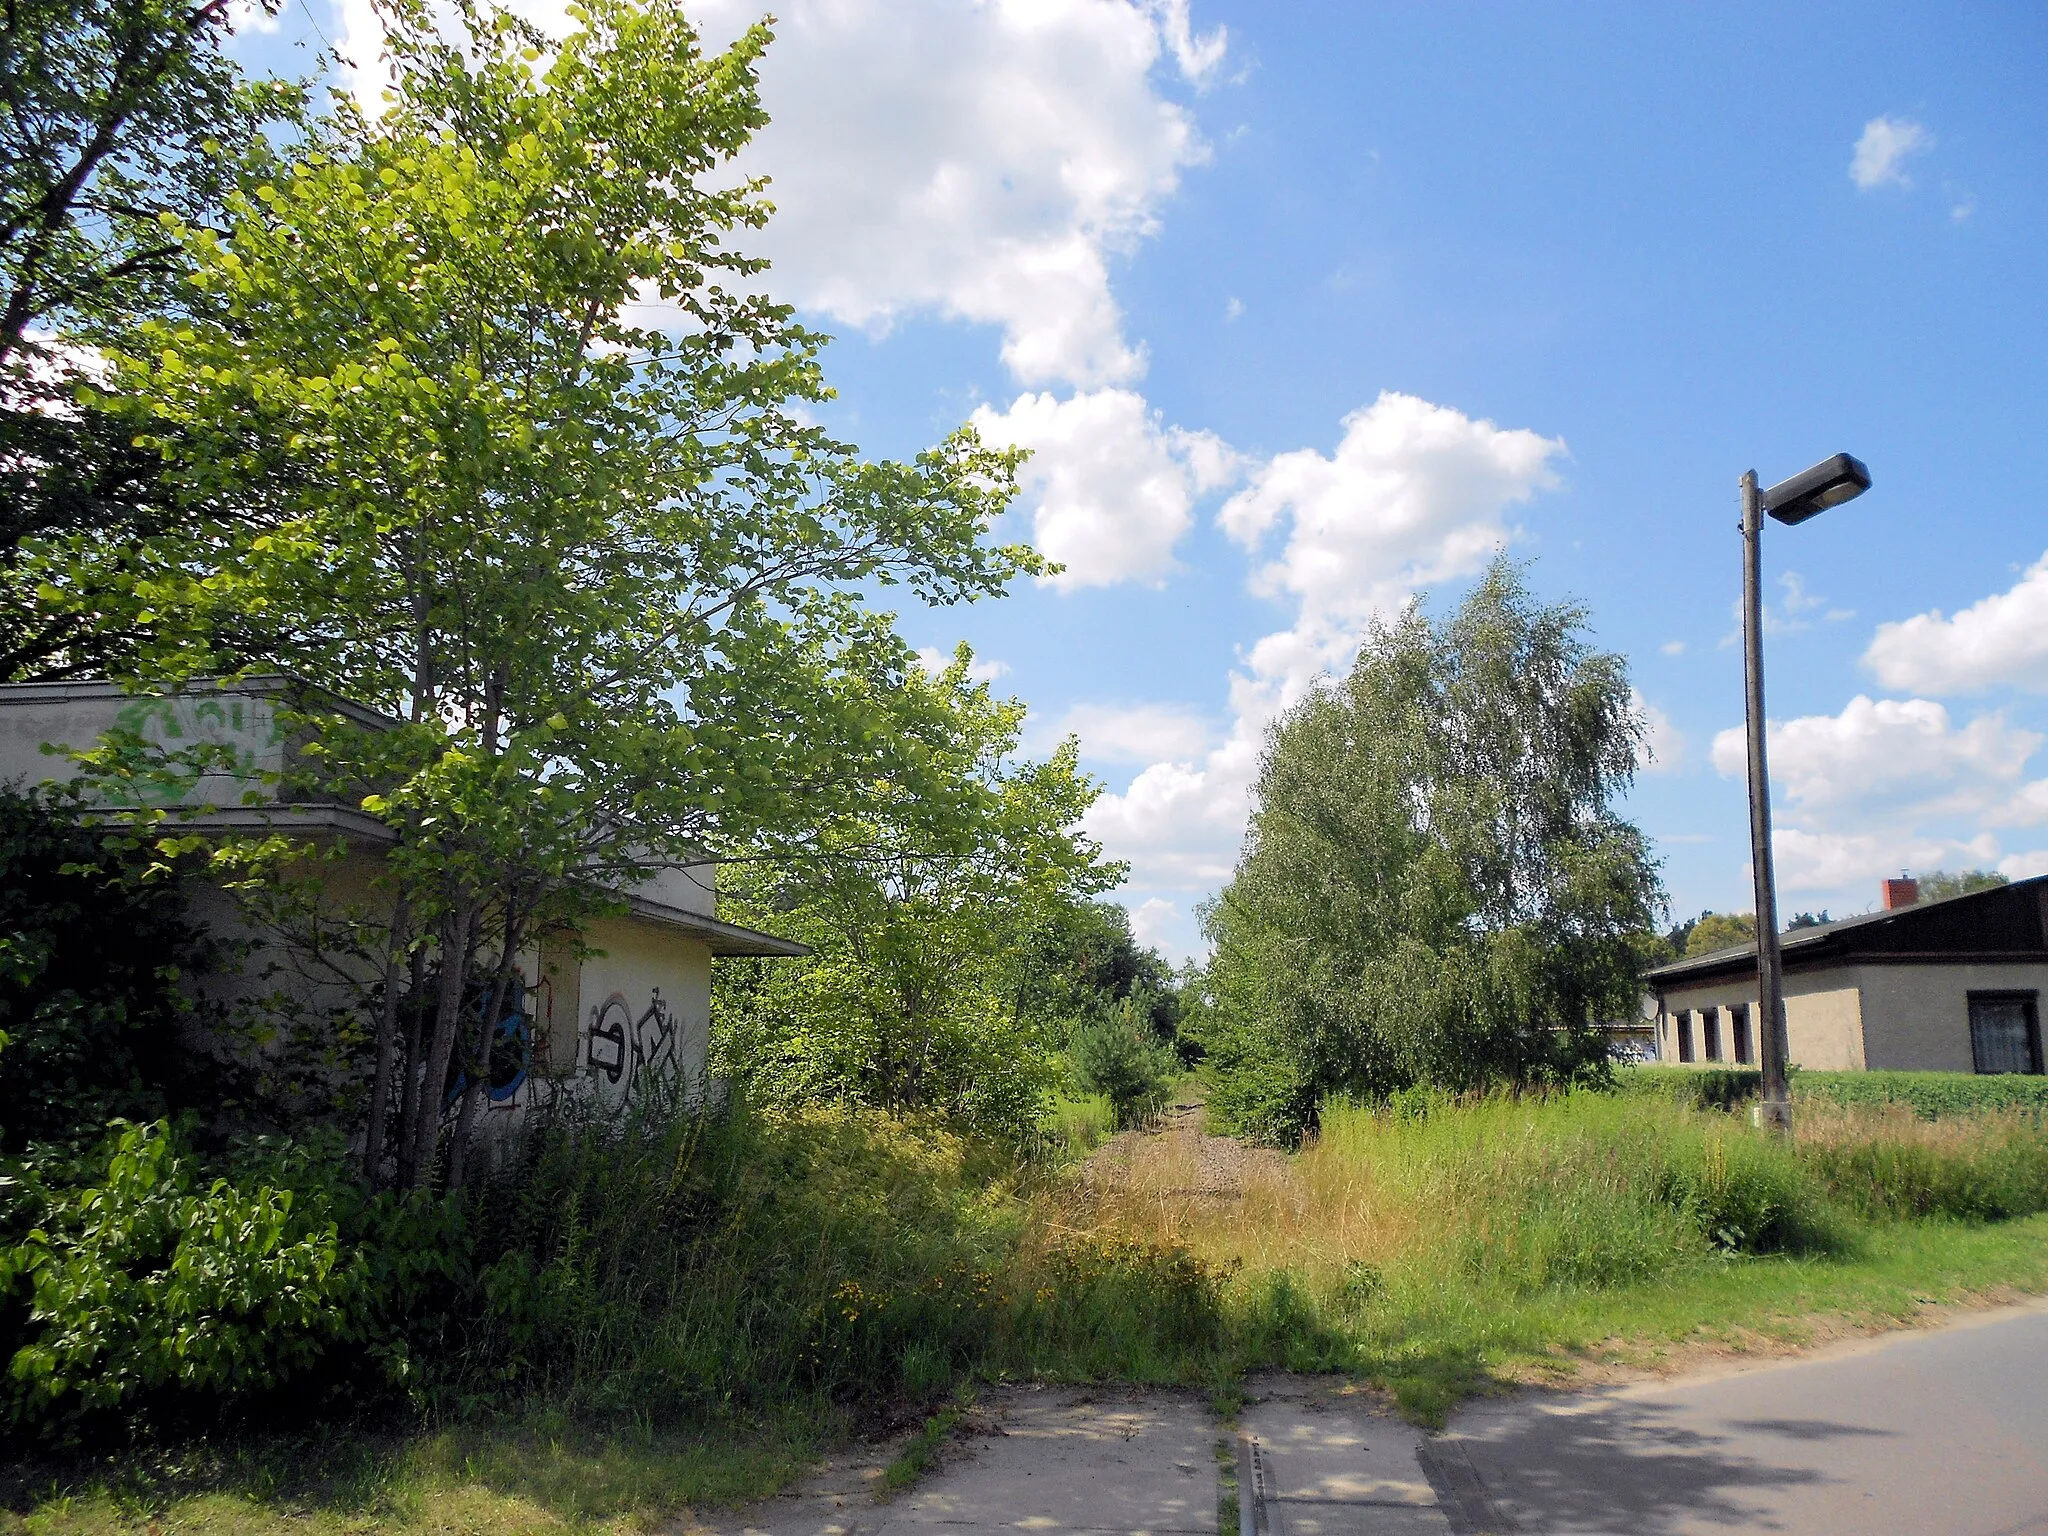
(1943, 1433)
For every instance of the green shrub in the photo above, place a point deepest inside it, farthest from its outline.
(1932, 1095)
(91, 956)
(159, 1284)
(1120, 1058)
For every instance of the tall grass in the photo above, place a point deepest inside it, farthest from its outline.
(1407, 1242)
(689, 1267)
(681, 1265)
(721, 1289)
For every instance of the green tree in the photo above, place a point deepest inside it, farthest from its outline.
(1117, 1055)
(1719, 930)
(114, 115)
(1083, 962)
(536, 477)
(1435, 886)
(1940, 885)
(920, 917)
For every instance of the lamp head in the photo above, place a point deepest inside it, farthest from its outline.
(1811, 492)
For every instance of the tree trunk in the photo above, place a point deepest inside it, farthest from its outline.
(387, 1046)
(479, 1068)
(458, 938)
(409, 1097)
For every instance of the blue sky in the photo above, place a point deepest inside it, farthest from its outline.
(1306, 308)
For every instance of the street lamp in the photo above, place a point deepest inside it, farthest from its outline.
(1828, 484)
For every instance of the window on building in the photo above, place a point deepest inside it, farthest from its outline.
(1710, 1034)
(1682, 1023)
(1738, 1026)
(2005, 1031)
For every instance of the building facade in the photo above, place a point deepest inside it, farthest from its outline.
(1945, 986)
(605, 1010)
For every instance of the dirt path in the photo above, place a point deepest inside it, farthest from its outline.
(1205, 1166)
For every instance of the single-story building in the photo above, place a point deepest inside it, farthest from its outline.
(1949, 986)
(637, 1001)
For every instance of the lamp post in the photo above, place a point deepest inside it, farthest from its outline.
(1828, 484)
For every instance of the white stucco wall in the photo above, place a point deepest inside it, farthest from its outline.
(1912, 1016)
(644, 1004)
(76, 716)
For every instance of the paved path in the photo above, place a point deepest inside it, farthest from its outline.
(1942, 1433)
(1050, 1459)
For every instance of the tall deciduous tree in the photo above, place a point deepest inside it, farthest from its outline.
(537, 478)
(1436, 886)
(922, 918)
(114, 114)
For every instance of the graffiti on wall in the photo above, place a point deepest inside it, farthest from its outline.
(189, 736)
(511, 1058)
(625, 1052)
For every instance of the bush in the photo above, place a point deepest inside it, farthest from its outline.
(1932, 1095)
(91, 957)
(1120, 1058)
(158, 1284)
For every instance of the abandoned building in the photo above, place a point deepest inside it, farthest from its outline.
(633, 999)
(1951, 986)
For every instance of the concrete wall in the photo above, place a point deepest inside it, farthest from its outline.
(1823, 1021)
(644, 1006)
(639, 1004)
(1906, 1017)
(1917, 1017)
(76, 716)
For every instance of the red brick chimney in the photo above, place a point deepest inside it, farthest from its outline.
(1902, 892)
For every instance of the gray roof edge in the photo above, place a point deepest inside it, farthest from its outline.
(721, 937)
(1804, 938)
(259, 683)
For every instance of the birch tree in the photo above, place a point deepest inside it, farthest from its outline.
(1436, 885)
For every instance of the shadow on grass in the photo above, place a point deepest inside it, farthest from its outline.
(542, 1473)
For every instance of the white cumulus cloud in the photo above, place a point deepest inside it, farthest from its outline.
(1663, 747)
(2001, 639)
(982, 162)
(1882, 151)
(1110, 486)
(1891, 784)
(1415, 494)
(1138, 733)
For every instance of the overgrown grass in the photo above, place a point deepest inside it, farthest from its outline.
(678, 1312)
(1074, 1126)
(1932, 1095)
(1431, 1245)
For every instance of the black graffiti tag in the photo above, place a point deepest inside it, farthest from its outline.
(623, 1051)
